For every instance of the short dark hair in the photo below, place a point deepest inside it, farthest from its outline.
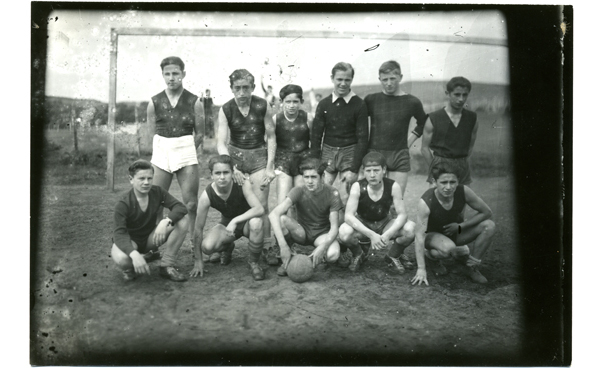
(312, 164)
(172, 60)
(342, 66)
(374, 159)
(458, 82)
(389, 67)
(240, 74)
(140, 165)
(222, 158)
(442, 168)
(291, 89)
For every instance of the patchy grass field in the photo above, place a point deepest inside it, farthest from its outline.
(83, 313)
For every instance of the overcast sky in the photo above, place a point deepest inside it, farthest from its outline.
(79, 43)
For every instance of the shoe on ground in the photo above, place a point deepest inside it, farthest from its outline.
(345, 259)
(474, 274)
(355, 264)
(171, 273)
(151, 256)
(257, 271)
(281, 271)
(406, 262)
(225, 257)
(395, 263)
(129, 275)
(272, 255)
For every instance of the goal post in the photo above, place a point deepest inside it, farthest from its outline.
(116, 32)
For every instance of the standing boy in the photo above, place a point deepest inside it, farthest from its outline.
(368, 219)
(340, 130)
(241, 213)
(450, 132)
(137, 236)
(317, 206)
(390, 112)
(176, 119)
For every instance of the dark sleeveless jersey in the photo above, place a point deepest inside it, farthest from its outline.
(246, 132)
(175, 121)
(370, 210)
(438, 215)
(234, 206)
(451, 141)
(292, 136)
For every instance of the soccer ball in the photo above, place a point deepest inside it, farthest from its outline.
(300, 268)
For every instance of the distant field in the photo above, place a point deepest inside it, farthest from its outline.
(492, 154)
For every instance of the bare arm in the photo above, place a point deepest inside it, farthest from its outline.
(201, 215)
(350, 213)
(275, 218)
(400, 210)
(473, 137)
(420, 229)
(411, 139)
(271, 144)
(151, 118)
(199, 125)
(483, 210)
(222, 133)
(256, 208)
(427, 135)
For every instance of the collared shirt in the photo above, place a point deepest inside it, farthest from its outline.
(346, 98)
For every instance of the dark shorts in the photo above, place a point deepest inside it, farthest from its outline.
(313, 234)
(239, 230)
(338, 159)
(462, 164)
(396, 160)
(376, 226)
(248, 160)
(288, 162)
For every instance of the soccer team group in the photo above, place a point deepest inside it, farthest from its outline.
(345, 136)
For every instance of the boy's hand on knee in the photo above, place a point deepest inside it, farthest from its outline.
(139, 263)
(160, 234)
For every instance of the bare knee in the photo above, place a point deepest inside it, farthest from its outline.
(121, 259)
(345, 233)
(192, 206)
(408, 231)
(489, 227)
(333, 253)
(255, 224)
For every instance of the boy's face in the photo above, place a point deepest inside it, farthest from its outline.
(142, 181)
(312, 180)
(446, 184)
(374, 174)
(342, 81)
(291, 104)
(390, 82)
(458, 97)
(242, 90)
(222, 174)
(173, 76)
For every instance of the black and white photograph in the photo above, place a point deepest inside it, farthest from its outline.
(300, 185)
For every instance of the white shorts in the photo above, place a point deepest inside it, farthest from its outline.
(173, 153)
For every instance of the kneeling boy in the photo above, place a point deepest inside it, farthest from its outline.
(136, 236)
(241, 213)
(317, 206)
(368, 219)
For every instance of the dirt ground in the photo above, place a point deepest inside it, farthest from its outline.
(84, 313)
